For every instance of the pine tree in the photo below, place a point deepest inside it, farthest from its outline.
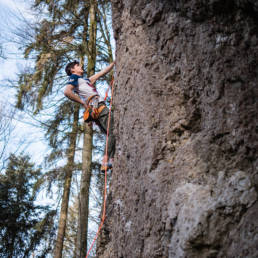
(71, 229)
(82, 232)
(56, 41)
(23, 224)
(6, 128)
(98, 18)
(62, 35)
(67, 186)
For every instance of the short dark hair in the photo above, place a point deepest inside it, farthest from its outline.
(70, 66)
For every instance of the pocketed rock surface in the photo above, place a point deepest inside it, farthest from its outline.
(185, 175)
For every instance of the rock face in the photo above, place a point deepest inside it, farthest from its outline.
(185, 177)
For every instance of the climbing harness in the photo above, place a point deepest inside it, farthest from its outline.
(105, 186)
(92, 111)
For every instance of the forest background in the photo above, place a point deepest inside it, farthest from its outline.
(50, 181)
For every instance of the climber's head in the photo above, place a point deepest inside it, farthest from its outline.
(74, 68)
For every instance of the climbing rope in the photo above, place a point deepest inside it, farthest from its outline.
(105, 186)
(106, 94)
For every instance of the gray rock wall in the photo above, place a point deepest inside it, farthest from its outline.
(185, 177)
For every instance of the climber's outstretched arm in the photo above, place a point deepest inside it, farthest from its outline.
(69, 94)
(96, 76)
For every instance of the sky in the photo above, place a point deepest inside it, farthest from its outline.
(9, 11)
(32, 137)
(25, 138)
(29, 135)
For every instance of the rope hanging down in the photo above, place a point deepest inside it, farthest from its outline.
(105, 187)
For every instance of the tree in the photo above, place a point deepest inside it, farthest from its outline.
(6, 128)
(52, 49)
(67, 185)
(23, 224)
(82, 232)
(60, 36)
(71, 229)
(97, 16)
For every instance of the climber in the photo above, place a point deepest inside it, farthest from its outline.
(95, 107)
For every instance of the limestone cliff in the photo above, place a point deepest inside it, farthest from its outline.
(185, 178)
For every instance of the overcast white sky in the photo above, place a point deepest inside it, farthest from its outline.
(32, 136)
(9, 11)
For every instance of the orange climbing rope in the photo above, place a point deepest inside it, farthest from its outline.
(105, 187)
(106, 94)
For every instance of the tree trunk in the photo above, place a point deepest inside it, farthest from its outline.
(82, 233)
(67, 186)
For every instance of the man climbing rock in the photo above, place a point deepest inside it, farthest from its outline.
(95, 107)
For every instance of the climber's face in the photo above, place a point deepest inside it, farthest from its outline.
(77, 69)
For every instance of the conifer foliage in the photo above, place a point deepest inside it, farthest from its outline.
(23, 223)
(66, 30)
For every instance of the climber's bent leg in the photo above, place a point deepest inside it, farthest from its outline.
(103, 124)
